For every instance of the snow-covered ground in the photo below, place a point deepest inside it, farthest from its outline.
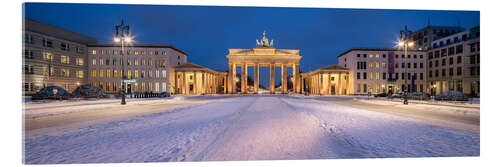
(251, 128)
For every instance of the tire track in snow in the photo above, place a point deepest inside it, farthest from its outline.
(345, 146)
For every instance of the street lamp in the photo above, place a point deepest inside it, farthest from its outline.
(122, 36)
(405, 42)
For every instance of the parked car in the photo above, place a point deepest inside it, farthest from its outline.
(383, 94)
(89, 91)
(419, 96)
(51, 92)
(397, 95)
(452, 96)
(164, 94)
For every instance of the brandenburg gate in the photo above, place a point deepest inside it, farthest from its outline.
(264, 55)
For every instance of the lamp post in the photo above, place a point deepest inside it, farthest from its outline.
(122, 36)
(405, 42)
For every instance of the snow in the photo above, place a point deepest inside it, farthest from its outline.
(250, 128)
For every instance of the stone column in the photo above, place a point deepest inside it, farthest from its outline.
(244, 78)
(203, 82)
(184, 83)
(230, 79)
(296, 78)
(175, 82)
(256, 78)
(339, 84)
(195, 82)
(329, 84)
(271, 79)
(284, 80)
(348, 84)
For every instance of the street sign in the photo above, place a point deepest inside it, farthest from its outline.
(129, 80)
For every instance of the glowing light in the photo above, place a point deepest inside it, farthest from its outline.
(117, 39)
(128, 39)
(411, 44)
(401, 43)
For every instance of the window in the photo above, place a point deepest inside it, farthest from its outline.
(451, 50)
(377, 64)
(414, 65)
(164, 73)
(377, 75)
(101, 61)
(108, 73)
(443, 72)
(430, 74)
(136, 52)
(451, 71)
(28, 38)
(150, 73)
(358, 55)
(157, 73)
(421, 76)
(79, 61)
(402, 65)
(64, 46)
(94, 73)
(377, 56)
(28, 54)
(371, 75)
(80, 74)
(443, 62)
(47, 42)
(460, 49)
(136, 62)
(421, 56)
(64, 59)
(472, 47)
(47, 56)
(28, 69)
(443, 52)
(384, 65)
(107, 62)
(64, 72)
(436, 73)
(115, 73)
(79, 49)
(371, 56)
(451, 60)
(143, 52)
(384, 76)
(358, 75)
(364, 56)
(459, 59)
(143, 74)
(383, 56)
(364, 75)
(150, 62)
(94, 52)
(94, 61)
(101, 73)
(421, 65)
(459, 71)
(430, 63)
(408, 65)
(136, 73)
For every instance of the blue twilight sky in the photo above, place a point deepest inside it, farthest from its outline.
(206, 32)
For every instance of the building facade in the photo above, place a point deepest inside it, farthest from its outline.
(195, 79)
(453, 63)
(329, 80)
(147, 67)
(385, 70)
(53, 57)
(424, 37)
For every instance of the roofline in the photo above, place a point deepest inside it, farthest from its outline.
(140, 45)
(375, 49)
(421, 29)
(58, 28)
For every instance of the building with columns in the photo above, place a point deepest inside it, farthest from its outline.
(330, 80)
(193, 79)
(264, 55)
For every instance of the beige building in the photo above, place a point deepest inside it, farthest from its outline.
(147, 67)
(53, 57)
(195, 79)
(385, 70)
(453, 63)
(329, 80)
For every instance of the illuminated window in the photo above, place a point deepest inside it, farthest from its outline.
(80, 61)
(377, 55)
(150, 52)
(371, 65)
(108, 73)
(150, 73)
(164, 73)
(64, 72)
(64, 59)
(136, 52)
(384, 65)
(101, 73)
(47, 56)
(150, 62)
(371, 76)
(94, 73)
(377, 75)
(143, 52)
(101, 52)
(79, 74)
(115, 73)
(129, 74)
(94, 61)
(377, 65)
(101, 61)
(157, 73)
(94, 52)
(136, 73)
(136, 62)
